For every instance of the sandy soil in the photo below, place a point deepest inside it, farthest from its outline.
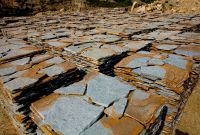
(6, 128)
(190, 121)
(187, 6)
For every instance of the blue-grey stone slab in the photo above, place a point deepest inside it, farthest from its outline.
(56, 44)
(78, 48)
(138, 62)
(98, 129)
(48, 36)
(98, 53)
(7, 70)
(116, 48)
(9, 77)
(74, 89)
(180, 63)
(19, 83)
(22, 61)
(55, 60)
(136, 45)
(117, 109)
(52, 70)
(71, 115)
(140, 95)
(153, 72)
(105, 38)
(104, 90)
(166, 47)
(155, 61)
(188, 52)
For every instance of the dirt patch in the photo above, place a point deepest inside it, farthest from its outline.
(6, 127)
(190, 121)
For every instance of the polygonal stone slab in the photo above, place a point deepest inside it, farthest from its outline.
(105, 38)
(166, 47)
(52, 70)
(78, 48)
(189, 51)
(110, 126)
(117, 109)
(138, 62)
(74, 89)
(19, 83)
(153, 72)
(136, 45)
(104, 90)
(7, 70)
(143, 106)
(69, 115)
(98, 53)
(155, 61)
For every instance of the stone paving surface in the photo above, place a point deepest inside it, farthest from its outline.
(98, 72)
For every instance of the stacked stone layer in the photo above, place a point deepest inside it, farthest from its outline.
(98, 72)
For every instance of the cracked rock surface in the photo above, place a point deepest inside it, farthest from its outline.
(98, 72)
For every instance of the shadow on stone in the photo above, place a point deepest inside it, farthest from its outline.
(179, 132)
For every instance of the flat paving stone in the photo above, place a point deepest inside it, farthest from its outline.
(166, 47)
(116, 48)
(106, 38)
(48, 36)
(104, 90)
(188, 51)
(67, 115)
(21, 61)
(78, 48)
(56, 44)
(52, 70)
(156, 61)
(19, 83)
(98, 53)
(110, 126)
(153, 72)
(73, 89)
(55, 60)
(136, 45)
(138, 62)
(117, 109)
(180, 63)
(145, 111)
(7, 70)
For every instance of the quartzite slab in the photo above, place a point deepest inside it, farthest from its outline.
(66, 114)
(104, 90)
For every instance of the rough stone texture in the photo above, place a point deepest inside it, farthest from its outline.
(98, 53)
(55, 60)
(74, 89)
(143, 112)
(115, 53)
(104, 90)
(136, 45)
(138, 62)
(153, 72)
(180, 63)
(7, 71)
(109, 126)
(155, 61)
(52, 71)
(69, 120)
(19, 83)
(117, 109)
(21, 61)
(166, 47)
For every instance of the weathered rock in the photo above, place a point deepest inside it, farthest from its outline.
(104, 90)
(66, 115)
(117, 109)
